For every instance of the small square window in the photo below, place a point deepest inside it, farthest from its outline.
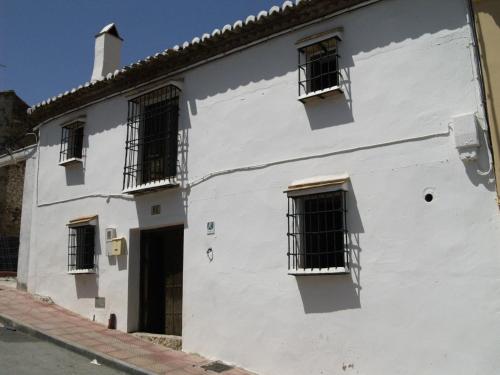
(317, 233)
(81, 243)
(71, 143)
(319, 68)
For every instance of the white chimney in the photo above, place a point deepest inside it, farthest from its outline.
(107, 52)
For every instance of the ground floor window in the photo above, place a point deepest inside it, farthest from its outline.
(81, 244)
(317, 231)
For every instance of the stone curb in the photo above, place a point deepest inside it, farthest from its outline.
(102, 358)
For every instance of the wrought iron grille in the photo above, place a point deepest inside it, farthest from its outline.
(71, 141)
(81, 242)
(152, 137)
(317, 231)
(318, 66)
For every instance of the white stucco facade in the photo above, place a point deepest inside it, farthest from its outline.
(422, 296)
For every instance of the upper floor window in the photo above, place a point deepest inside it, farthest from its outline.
(319, 73)
(71, 143)
(152, 140)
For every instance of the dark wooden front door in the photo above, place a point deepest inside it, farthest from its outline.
(161, 280)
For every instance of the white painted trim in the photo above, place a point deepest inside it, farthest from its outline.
(80, 118)
(317, 190)
(169, 182)
(70, 161)
(318, 180)
(320, 93)
(317, 271)
(84, 271)
(179, 83)
(318, 185)
(319, 37)
(82, 224)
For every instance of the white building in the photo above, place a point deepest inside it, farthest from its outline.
(376, 164)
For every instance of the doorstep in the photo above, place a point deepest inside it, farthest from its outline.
(168, 341)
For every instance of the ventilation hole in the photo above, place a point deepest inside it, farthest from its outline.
(429, 197)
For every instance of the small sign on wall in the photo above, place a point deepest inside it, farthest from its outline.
(211, 227)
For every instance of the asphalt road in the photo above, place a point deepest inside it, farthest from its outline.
(21, 354)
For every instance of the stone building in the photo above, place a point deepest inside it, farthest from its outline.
(14, 125)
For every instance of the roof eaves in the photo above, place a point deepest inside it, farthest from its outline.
(222, 40)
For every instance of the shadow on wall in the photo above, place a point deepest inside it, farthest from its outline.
(120, 260)
(134, 280)
(173, 211)
(334, 110)
(75, 174)
(112, 113)
(366, 30)
(329, 293)
(87, 285)
(173, 202)
(373, 28)
(481, 171)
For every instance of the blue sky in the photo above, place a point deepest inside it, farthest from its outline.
(48, 46)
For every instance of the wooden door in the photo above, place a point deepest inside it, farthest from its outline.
(161, 280)
(173, 283)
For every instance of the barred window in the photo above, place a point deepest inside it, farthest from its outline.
(318, 67)
(81, 243)
(152, 139)
(317, 232)
(71, 142)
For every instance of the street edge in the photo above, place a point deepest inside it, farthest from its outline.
(103, 358)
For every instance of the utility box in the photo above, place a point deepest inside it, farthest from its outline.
(466, 136)
(117, 246)
(110, 234)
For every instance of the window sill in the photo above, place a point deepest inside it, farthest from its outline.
(151, 186)
(70, 161)
(320, 94)
(77, 272)
(317, 271)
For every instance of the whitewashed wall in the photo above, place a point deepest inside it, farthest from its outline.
(423, 296)
(28, 206)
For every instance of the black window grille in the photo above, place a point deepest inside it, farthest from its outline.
(152, 137)
(317, 231)
(318, 66)
(71, 141)
(81, 242)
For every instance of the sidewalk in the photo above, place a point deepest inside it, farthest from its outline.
(114, 348)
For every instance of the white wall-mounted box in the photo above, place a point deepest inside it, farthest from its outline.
(110, 234)
(466, 136)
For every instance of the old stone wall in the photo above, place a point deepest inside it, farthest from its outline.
(14, 123)
(11, 197)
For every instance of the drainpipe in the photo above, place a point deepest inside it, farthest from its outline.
(493, 143)
(477, 54)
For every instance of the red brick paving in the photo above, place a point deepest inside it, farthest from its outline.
(60, 323)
